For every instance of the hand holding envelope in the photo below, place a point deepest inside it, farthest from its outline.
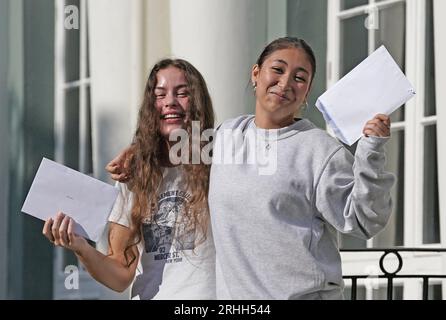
(379, 126)
(377, 85)
(58, 188)
(60, 231)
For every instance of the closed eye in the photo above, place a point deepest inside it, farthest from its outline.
(182, 94)
(277, 70)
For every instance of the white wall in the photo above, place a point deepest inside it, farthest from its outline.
(156, 32)
(116, 60)
(116, 63)
(222, 39)
(277, 19)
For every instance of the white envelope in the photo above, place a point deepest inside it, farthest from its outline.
(376, 85)
(58, 188)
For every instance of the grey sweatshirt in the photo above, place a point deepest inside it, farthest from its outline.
(276, 233)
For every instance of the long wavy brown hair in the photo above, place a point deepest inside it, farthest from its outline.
(148, 152)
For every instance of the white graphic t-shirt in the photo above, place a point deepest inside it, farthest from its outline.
(174, 262)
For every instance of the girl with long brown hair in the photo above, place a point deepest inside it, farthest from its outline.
(159, 235)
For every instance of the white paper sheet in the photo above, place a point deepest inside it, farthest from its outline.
(58, 188)
(376, 85)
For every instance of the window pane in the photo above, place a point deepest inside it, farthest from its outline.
(360, 292)
(431, 221)
(393, 234)
(348, 4)
(71, 139)
(349, 242)
(69, 259)
(435, 292)
(381, 293)
(398, 115)
(87, 44)
(430, 103)
(72, 38)
(391, 34)
(86, 153)
(354, 43)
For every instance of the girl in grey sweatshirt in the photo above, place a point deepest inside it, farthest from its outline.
(275, 221)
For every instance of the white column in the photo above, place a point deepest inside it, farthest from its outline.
(116, 60)
(157, 32)
(117, 80)
(222, 39)
(277, 19)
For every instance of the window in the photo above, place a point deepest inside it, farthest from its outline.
(73, 125)
(356, 28)
(412, 152)
(72, 120)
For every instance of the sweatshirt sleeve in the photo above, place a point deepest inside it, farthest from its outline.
(353, 192)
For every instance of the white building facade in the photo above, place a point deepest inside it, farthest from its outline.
(98, 75)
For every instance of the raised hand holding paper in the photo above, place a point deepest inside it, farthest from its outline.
(58, 188)
(376, 85)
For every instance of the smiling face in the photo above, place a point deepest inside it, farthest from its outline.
(283, 82)
(172, 100)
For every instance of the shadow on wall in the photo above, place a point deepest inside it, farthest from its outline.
(111, 133)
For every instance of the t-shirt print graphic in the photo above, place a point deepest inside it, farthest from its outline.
(167, 234)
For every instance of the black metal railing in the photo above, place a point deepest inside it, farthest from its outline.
(390, 276)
